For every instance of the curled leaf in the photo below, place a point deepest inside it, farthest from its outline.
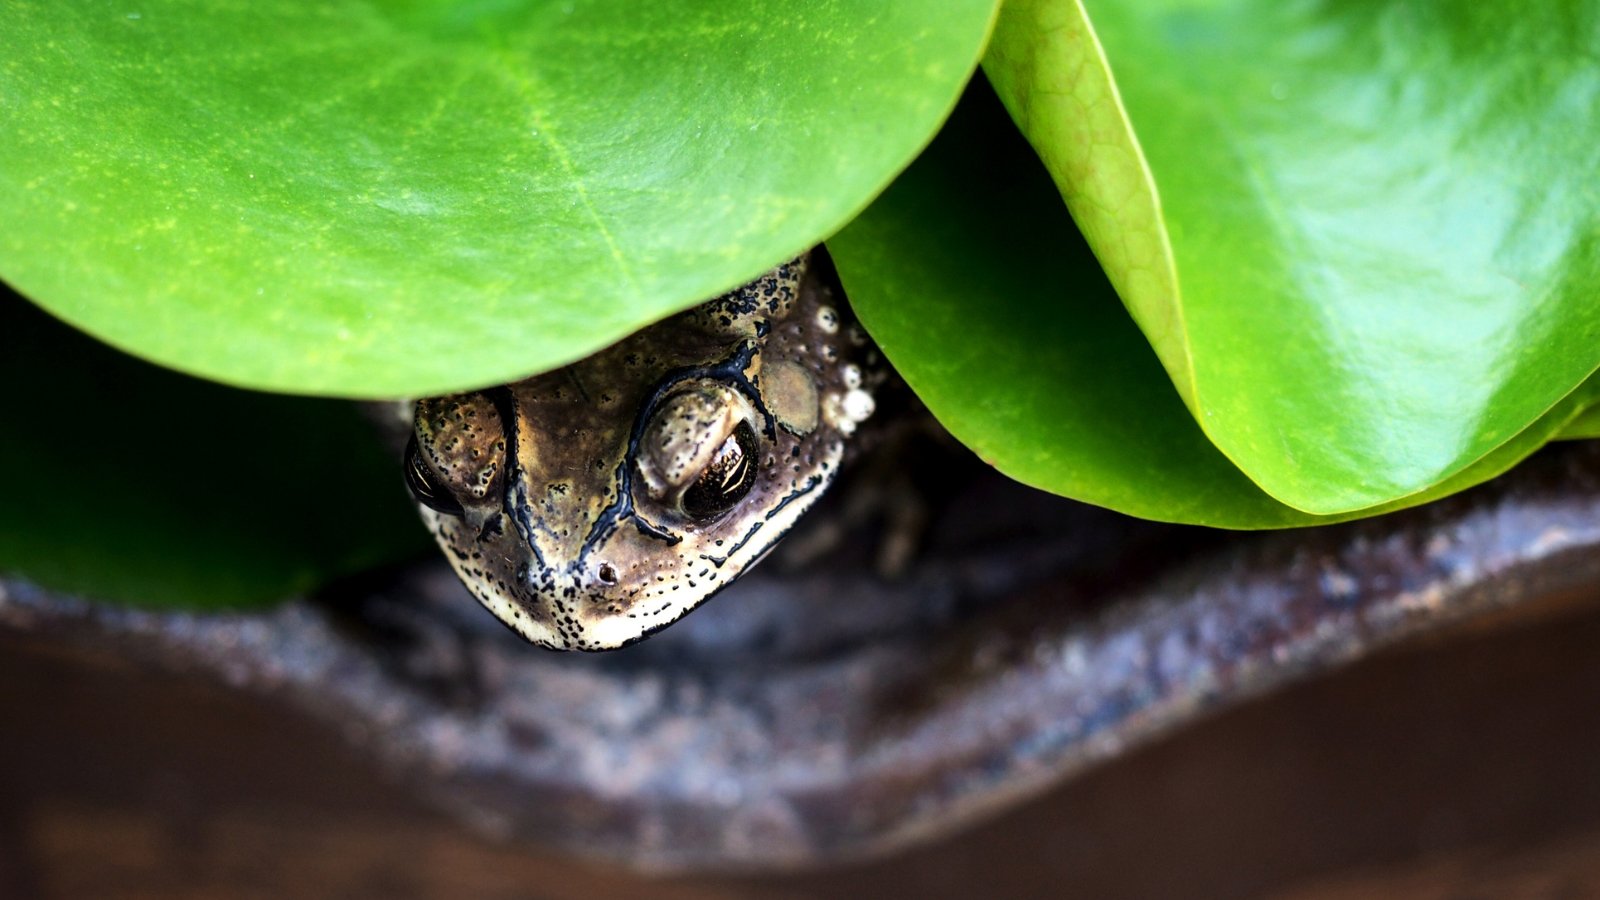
(1360, 236)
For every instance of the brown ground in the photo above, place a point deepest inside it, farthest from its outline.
(1467, 768)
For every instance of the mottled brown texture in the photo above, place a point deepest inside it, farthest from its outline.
(462, 442)
(595, 533)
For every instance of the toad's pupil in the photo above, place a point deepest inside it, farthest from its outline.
(726, 479)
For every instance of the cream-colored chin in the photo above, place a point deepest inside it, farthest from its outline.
(616, 631)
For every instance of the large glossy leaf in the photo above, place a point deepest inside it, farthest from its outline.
(1362, 237)
(971, 276)
(384, 198)
(130, 483)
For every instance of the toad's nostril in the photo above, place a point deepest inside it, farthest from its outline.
(608, 574)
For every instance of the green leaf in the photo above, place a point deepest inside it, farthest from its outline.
(1585, 425)
(131, 483)
(972, 278)
(1363, 238)
(380, 199)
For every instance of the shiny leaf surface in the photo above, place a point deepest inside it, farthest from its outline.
(1362, 237)
(972, 277)
(379, 199)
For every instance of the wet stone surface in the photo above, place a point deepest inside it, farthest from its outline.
(820, 712)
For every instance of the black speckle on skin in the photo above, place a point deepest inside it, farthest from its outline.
(661, 561)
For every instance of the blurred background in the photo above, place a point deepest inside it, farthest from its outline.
(1460, 765)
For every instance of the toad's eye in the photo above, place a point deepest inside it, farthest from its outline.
(697, 453)
(425, 487)
(726, 479)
